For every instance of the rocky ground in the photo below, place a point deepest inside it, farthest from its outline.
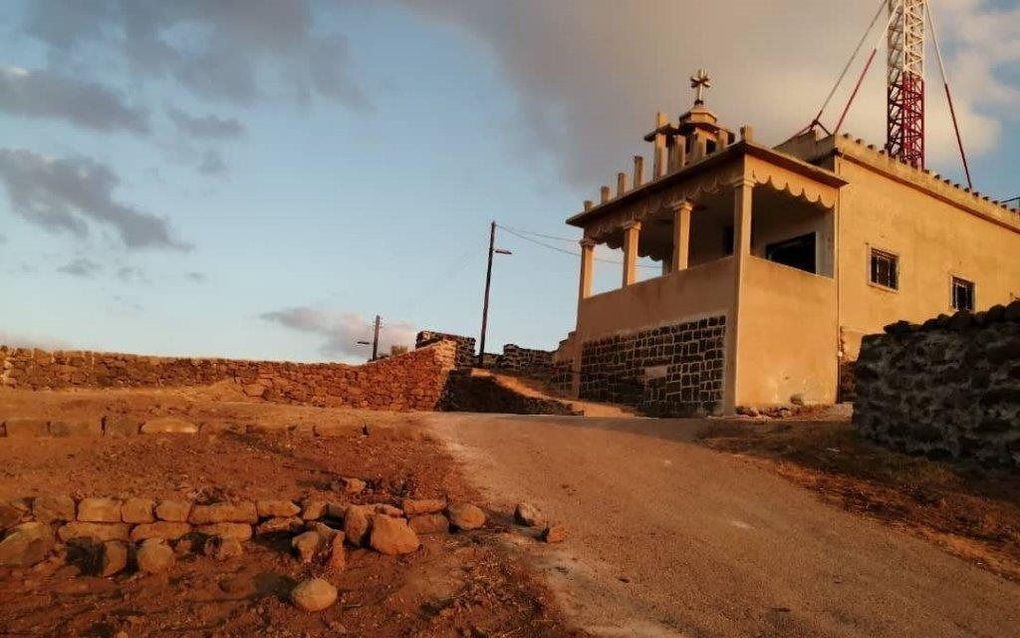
(402, 579)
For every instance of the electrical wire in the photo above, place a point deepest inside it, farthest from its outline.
(568, 252)
(949, 96)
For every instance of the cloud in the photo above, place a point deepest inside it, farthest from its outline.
(225, 50)
(72, 194)
(590, 74)
(81, 267)
(43, 94)
(342, 330)
(205, 127)
(13, 340)
(212, 164)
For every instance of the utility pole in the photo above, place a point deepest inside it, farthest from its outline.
(488, 285)
(375, 338)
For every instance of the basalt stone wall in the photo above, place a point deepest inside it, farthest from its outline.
(950, 387)
(412, 381)
(674, 370)
(465, 345)
(526, 361)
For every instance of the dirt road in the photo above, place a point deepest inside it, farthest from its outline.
(671, 539)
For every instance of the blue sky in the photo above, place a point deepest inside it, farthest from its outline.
(258, 179)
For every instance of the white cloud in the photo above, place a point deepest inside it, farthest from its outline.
(342, 330)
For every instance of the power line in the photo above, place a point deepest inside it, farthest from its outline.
(569, 252)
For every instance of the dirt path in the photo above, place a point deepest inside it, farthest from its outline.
(671, 539)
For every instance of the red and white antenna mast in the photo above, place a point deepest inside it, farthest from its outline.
(905, 87)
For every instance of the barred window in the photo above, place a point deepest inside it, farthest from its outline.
(885, 269)
(963, 294)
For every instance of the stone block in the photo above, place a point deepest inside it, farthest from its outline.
(99, 510)
(240, 512)
(414, 507)
(240, 531)
(174, 511)
(138, 510)
(49, 509)
(166, 530)
(276, 508)
(75, 428)
(98, 532)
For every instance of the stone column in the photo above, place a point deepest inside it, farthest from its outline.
(639, 171)
(631, 234)
(682, 236)
(621, 184)
(587, 268)
(743, 189)
(659, 149)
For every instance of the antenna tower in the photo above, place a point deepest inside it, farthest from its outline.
(905, 86)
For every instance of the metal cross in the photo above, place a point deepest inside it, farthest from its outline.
(701, 81)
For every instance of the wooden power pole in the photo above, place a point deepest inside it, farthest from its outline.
(488, 286)
(375, 338)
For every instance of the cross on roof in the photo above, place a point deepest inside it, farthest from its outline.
(701, 81)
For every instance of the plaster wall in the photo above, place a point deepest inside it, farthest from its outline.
(934, 240)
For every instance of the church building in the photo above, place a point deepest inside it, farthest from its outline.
(775, 263)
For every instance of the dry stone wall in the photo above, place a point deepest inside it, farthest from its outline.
(413, 381)
(465, 346)
(525, 361)
(673, 370)
(950, 387)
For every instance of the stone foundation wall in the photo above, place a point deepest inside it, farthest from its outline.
(465, 345)
(674, 370)
(950, 387)
(413, 381)
(526, 361)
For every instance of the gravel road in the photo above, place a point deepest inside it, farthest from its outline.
(668, 538)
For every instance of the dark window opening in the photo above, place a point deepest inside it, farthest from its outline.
(727, 239)
(885, 269)
(963, 294)
(710, 147)
(798, 252)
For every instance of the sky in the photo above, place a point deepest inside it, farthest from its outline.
(260, 178)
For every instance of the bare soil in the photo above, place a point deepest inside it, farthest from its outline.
(970, 511)
(465, 584)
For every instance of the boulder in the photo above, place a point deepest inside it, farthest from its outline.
(527, 515)
(176, 511)
(306, 545)
(239, 531)
(138, 510)
(276, 509)
(415, 507)
(392, 536)
(315, 594)
(154, 556)
(554, 534)
(112, 559)
(357, 522)
(465, 516)
(429, 524)
(166, 530)
(169, 425)
(222, 548)
(242, 512)
(99, 510)
(48, 509)
(98, 532)
(26, 544)
(279, 525)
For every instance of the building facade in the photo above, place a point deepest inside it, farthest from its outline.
(775, 263)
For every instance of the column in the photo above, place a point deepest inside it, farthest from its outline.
(682, 236)
(659, 148)
(587, 268)
(631, 234)
(743, 189)
(639, 171)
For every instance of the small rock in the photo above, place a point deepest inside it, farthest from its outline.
(389, 510)
(337, 559)
(353, 485)
(222, 548)
(392, 536)
(313, 595)
(99, 510)
(26, 544)
(277, 509)
(154, 556)
(279, 525)
(243, 512)
(325, 532)
(166, 530)
(554, 534)
(48, 509)
(113, 558)
(138, 510)
(239, 531)
(306, 545)
(527, 515)
(312, 509)
(465, 516)
(176, 511)
(169, 425)
(336, 510)
(357, 522)
(429, 524)
(416, 507)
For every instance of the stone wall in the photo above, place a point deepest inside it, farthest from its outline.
(525, 361)
(950, 387)
(674, 370)
(412, 381)
(465, 345)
